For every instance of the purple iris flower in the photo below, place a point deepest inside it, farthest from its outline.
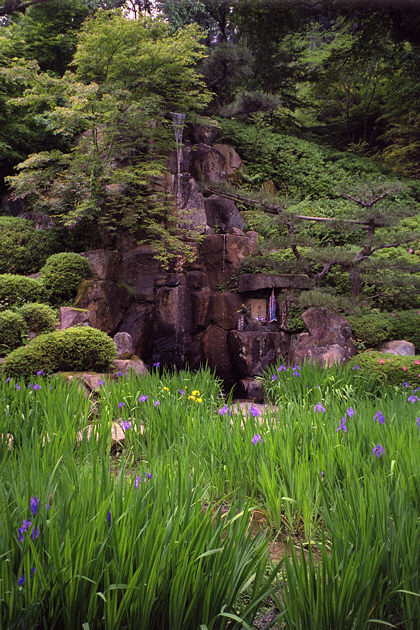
(21, 580)
(225, 410)
(143, 398)
(319, 408)
(34, 533)
(118, 374)
(282, 368)
(378, 450)
(34, 505)
(181, 392)
(323, 474)
(379, 417)
(418, 422)
(405, 384)
(274, 377)
(156, 365)
(156, 403)
(25, 526)
(126, 425)
(101, 382)
(413, 398)
(17, 387)
(355, 367)
(109, 518)
(257, 438)
(342, 425)
(121, 405)
(350, 412)
(40, 373)
(254, 411)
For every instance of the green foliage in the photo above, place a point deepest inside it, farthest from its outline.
(372, 329)
(62, 274)
(392, 369)
(73, 349)
(294, 322)
(38, 317)
(23, 249)
(406, 325)
(115, 119)
(298, 168)
(15, 290)
(12, 330)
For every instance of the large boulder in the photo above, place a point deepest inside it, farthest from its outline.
(252, 351)
(139, 321)
(200, 133)
(192, 213)
(233, 162)
(328, 341)
(106, 303)
(104, 263)
(127, 366)
(137, 271)
(200, 308)
(222, 214)
(208, 164)
(398, 347)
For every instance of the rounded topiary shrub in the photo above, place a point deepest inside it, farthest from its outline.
(23, 249)
(74, 349)
(391, 368)
(12, 330)
(16, 290)
(372, 329)
(38, 317)
(406, 325)
(62, 274)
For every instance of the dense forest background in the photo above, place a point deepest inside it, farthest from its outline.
(320, 98)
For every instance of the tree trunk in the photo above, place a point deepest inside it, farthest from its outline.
(355, 281)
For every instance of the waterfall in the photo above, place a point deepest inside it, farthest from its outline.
(178, 125)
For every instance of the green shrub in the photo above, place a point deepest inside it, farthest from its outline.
(16, 290)
(12, 329)
(23, 249)
(78, 348)
(391, 368)
(294, 322)
(62, 274)
(406, 325)
(372, 329)
(38, 317)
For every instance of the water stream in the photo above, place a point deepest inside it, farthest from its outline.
(178, 125)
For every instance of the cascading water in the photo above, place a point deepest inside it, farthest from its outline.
(178, 125)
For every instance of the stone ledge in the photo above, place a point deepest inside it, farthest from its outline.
(248, 282)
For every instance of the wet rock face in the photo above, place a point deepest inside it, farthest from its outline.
(252, 351)
(328, 341)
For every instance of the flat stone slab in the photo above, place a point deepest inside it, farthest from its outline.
(248, 282)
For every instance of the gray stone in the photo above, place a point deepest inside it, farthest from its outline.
(233, 162)
(106, 303)
(221, 256)
(222, 214)
(126, 366)
(139, 321)
(104, 263)
(328, 341)
(208, 164)
(398, 347)
(192, 214)
(225, 310)
(248, 282)
(69, 316)
(124, 344)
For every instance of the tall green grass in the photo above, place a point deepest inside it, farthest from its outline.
(175, 549)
